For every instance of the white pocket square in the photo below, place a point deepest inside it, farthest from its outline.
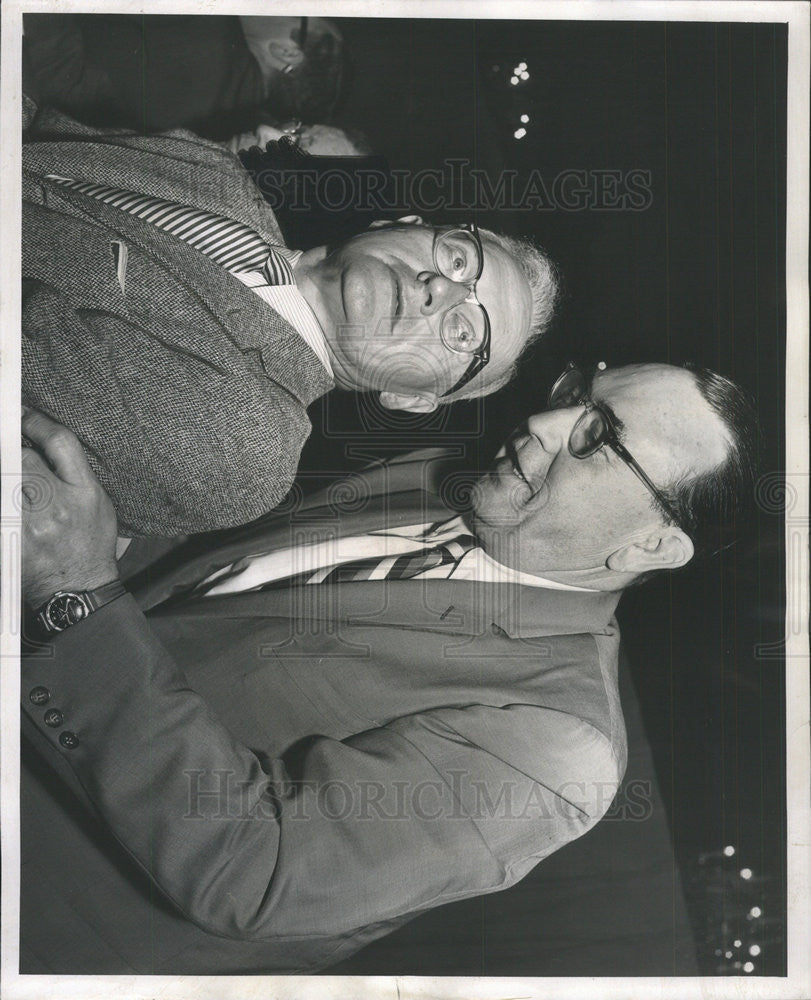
(120, 257)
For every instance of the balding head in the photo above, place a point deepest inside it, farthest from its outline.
(547, 512)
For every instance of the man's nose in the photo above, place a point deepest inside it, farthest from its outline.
(552, 428)
(438, 293)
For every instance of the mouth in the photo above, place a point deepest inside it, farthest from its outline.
(512, 453)
(396, 297)
(508, 477)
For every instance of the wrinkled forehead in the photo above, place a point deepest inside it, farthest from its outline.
(504, 291)
(649, 389)
(661, 410)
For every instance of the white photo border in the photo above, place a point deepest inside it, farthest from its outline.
(797, 984)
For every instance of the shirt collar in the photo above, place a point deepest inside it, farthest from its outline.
(291, 305)
(477, 564)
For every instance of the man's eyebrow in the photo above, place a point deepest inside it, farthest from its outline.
(619, 426)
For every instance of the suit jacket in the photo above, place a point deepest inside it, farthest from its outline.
(188, 391)
(301, 770)
(200, 73)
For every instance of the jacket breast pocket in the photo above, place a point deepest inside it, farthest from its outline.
(86, 262)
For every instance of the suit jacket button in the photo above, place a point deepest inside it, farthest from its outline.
(39, 695)
(68, 740)
(53, 718)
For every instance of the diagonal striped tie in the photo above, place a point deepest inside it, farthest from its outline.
(232, 245)
(404, 567)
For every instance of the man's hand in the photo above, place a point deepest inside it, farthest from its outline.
(69, 525)
(261, 137)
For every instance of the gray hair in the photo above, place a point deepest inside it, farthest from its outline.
(544, 282)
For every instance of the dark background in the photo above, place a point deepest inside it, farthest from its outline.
(697, 275)
(695, 272)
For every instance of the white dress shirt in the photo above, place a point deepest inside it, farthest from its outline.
(291, 305)
(321, 557)
(287, 300)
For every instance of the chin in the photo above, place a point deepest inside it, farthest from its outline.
(491, 508)
(500, 494)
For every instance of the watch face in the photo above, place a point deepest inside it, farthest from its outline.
(65, 610)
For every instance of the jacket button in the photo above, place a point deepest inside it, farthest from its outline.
(53, 718)
(39, 695)
(68, 740)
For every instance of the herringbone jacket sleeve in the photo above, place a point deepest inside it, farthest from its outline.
(187, 391)
(193, 449)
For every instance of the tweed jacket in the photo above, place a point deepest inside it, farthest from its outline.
(188, 392)
(301, 770)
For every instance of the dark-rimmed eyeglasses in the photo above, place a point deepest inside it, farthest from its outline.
(595, 429)
(465, 327)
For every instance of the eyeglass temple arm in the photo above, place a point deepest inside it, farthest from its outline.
(630, 461)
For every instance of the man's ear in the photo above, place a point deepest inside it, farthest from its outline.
(286, 52)
(423, 402)
(404, 220)
(665, 549)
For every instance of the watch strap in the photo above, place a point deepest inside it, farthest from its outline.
(103, 595)
(89, 601)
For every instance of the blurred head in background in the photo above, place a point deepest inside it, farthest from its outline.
(303, 63)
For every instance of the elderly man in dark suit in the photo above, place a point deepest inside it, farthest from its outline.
(165, 322)
(317, 727)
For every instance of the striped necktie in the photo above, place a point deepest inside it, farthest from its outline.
(404, 567)
(232, 245)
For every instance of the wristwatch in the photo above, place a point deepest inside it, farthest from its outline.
(69, 607)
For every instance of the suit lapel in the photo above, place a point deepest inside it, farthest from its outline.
(248, 322)
(403, 491)
(310, 524)
(177, 166)
(453, 607)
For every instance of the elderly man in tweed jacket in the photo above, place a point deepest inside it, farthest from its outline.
(187, 387)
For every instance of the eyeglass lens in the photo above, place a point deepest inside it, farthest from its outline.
(457, 256)
(463, 329)
(590, 432)
(568, 390)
